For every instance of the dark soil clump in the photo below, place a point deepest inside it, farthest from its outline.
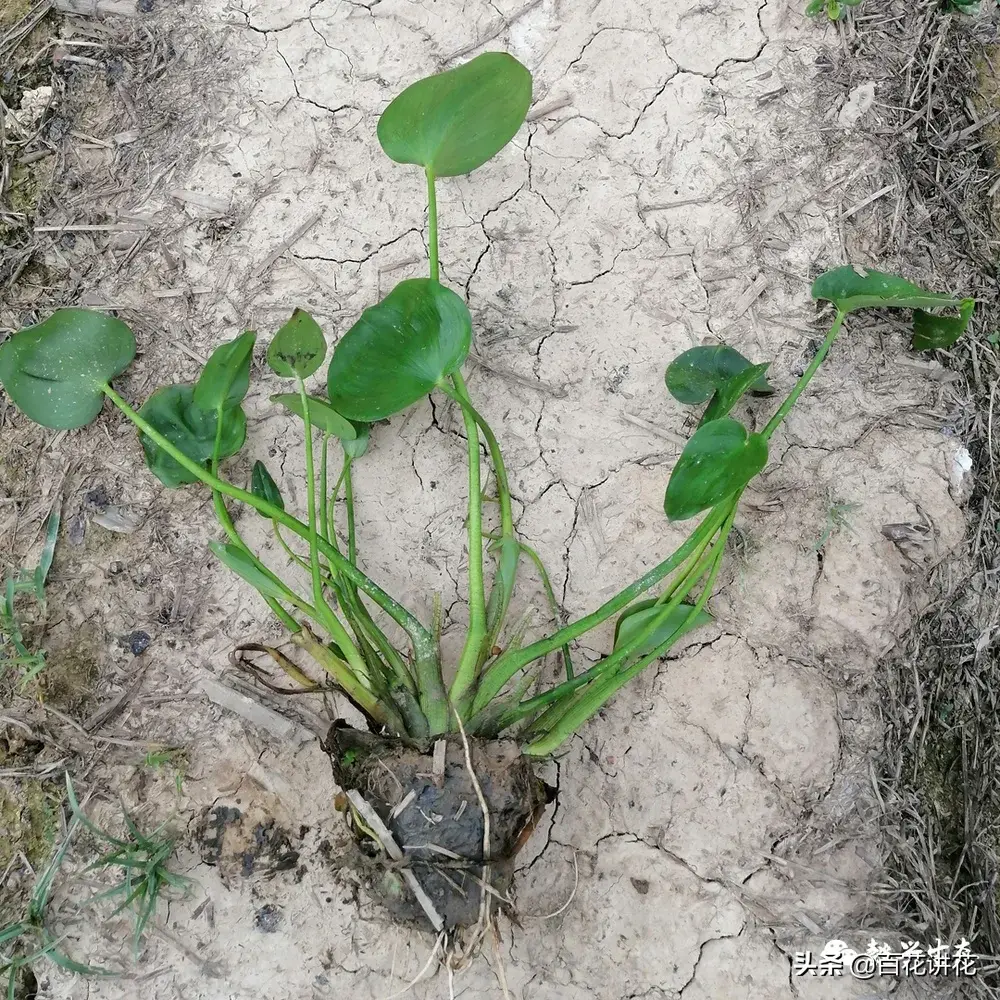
(437, 820)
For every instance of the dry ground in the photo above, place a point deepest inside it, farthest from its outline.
(686, 171)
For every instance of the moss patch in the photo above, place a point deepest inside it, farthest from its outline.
(28, 822)
(11, 11)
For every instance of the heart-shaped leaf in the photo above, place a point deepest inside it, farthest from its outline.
(258, 576)
(729, 393)
(54, 371)
(356, 448)
(399, 350)
(321, 414)
(173, 412)
(298, 348)
(225, 379)
(692, 377)
(455, 121)
(263, 486)
(849, 290)
(719, 459)
(932, 332)
(642, 613)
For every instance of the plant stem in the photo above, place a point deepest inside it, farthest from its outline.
(420, 636)
(604, 689)
(352, 550)
(224, 518)
(432, 224)
(806, 377)
(507, 665)
(324, 500)
(691, 572)
(506, 576)
(465, 678)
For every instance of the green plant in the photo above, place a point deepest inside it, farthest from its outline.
(836, 10)
(411, 343)
(14, 652)
(28, 940)
(142, 860)
(838, 517)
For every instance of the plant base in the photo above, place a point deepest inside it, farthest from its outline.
(436, 820)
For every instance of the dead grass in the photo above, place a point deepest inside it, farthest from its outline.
(940, 770)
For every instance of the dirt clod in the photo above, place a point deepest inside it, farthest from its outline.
(439, 826)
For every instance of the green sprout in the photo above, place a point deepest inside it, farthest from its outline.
(838, 517)
(14, 651)
(29, 940)
(412, 343)
(142, 862)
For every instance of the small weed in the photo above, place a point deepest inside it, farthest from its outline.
(173, 758)
(141, 859)
(14, 652)
(838, 517)
(27, 940)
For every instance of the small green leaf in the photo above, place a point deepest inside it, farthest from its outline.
(321, 414)
(55, 371)
(642, 613)
(244, 566)
(720, 459)
(849, 289)
(399, 350)
(263, 486)
(932, 332)
(729, 393)
(225, 379)
(298, 347)
(692, 377)
(356, 448)
(455, 121)
(815, 7)
(173, 412)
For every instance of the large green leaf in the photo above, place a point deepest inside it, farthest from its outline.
(692, 377)
(719, 459)
(173, 412)
(298, 347)
(455, 121)
(642, 613)
(263, 486)
(225, 379)
(849, 289)
(54, 371)
(931, 332)
(399, 350)
(321, 414)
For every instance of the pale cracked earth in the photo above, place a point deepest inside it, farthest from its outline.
(679, 182)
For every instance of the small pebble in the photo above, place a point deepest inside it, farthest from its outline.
(267, 918)
(138, 642)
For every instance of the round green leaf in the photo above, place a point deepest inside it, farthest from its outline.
(321, 414)
(399, 350)
(642, 613)
(356, 448)
(55, 371)
(719, 459)
(455, 121)
(298, 347)
(692, 377)
(173, 412)
(263, 486)
(849, 289)
(225, 379)
(931, 332)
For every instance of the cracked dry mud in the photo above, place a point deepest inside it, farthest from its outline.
(678, 182)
